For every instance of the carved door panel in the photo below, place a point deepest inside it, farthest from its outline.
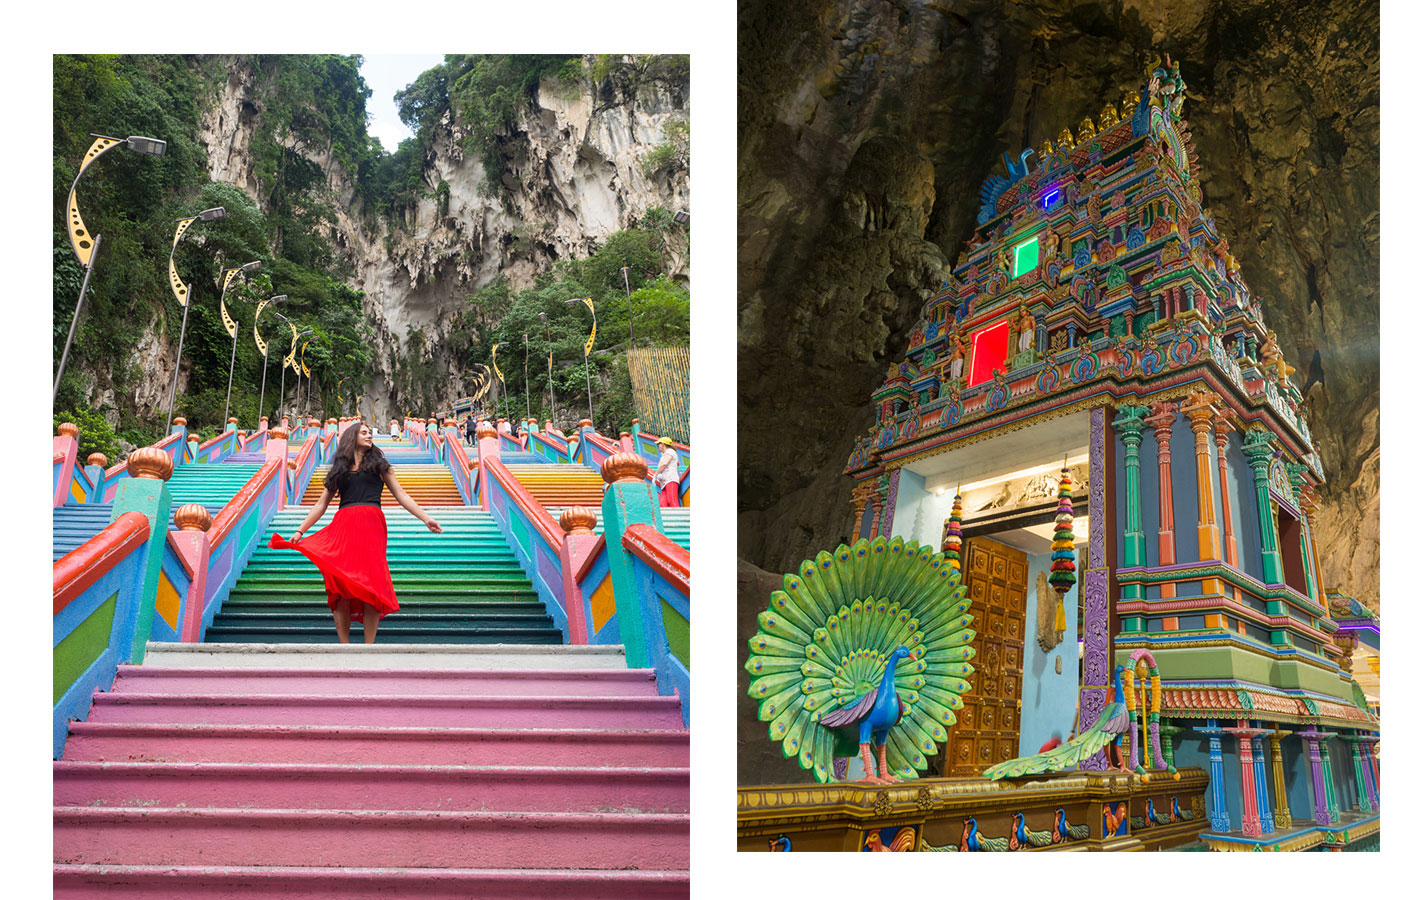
(987, 728)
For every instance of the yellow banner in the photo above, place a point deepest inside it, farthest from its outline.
(179, 290)
(256, 327)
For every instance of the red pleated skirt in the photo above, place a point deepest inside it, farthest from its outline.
(352, 555)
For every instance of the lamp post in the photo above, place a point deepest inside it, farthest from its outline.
(629, 309)
(286, 363)
(181, 292)
(549, 383)
(526, 376)
(230, 324)
(590, 342)
(265, 350)
(308, 379)
(84, 248)
(296, 365)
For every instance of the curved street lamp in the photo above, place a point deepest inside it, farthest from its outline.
(265, 350)
(291, 361)
(526, 373)
(498, 372)
(590, 342)
(308, 379)
(230, 324)
(288, 361)
(183, 295)
(84, 248)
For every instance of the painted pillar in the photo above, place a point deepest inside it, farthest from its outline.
(191, 541)
(278, 448)
(1282, 818)
(1296, 481)
(579, 524)
(1259, 453)
(1329, 793)
(1312, 738)
(1219, 815)
(66, 442)
(1369, 772)
(95, 470)
(1163, 416)
(1199, 408)
(1128, 423)
(1250, 814)
(1095, 628)
(860, 496)
(1168, 732)
(146, 492)
(1309, 503)
(629, 499)
(1223, 427)
(1261, 789)
(1355, 744)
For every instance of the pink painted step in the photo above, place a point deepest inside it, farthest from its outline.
(448, 682)
(314, 883)
(334, 709)
(286, 837)
(306, 786)
(100, 741)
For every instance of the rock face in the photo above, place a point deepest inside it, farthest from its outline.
(867, 127)
(575, 177)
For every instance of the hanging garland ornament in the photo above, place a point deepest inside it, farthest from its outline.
(1063, 574)
(954, 534)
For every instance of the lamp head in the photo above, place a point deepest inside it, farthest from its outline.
(146, 145)
(276, 299)
(543, 316)
(207, 215)
(681, 218)
(254, 264)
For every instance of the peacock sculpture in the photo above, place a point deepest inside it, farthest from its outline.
(1023, 836)
(865, 645)
(1111, 724)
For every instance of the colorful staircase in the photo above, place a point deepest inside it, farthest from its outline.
(560, 485)
(676, 523)
(463, 586)
(337, 772)
(212, 486)
(428, 484)
(73, 525)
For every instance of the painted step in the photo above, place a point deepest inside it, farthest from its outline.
(385, 656)
(406, 710)
(289, 837)
(308, 786)
(364, 744)
(436, 682)
(414, 605)
(429, 635)
(313, 617)
(351, 883)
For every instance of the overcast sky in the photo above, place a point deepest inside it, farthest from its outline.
(386, 73)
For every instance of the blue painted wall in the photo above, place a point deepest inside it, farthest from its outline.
(1049, 699)
(1244, 513)
(1296, 778)
(1183, 490)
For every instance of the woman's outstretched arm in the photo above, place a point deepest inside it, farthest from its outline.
(407, 502)
(320, 506)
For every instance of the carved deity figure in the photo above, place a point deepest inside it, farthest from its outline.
(1026, 326)
(956, 357)
(1273, 357)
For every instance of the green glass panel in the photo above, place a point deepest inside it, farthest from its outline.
(1026, 257)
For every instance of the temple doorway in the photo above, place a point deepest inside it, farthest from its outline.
(988, 728)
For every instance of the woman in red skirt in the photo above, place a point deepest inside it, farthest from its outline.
(352, 551)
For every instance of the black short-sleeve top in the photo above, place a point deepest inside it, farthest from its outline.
(361, 488)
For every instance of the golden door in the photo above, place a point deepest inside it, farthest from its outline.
(987, 730)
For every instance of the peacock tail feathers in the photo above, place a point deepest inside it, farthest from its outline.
(1059, 758)
(825, 638)
(993, 845)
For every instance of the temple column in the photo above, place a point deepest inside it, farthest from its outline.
(1223, 427)
(1313, 738)
(1199, 408)
(1329, 792)
(1369, 772)
(1250, 814)
(1282, 819)
(1355, 744)
(1296, 481)
(1259, 454)
(1162, 418)
(860, 496)
(1095, 629)
(1168, 732)
(1261, 790)
(1219, 815)
(1128, 423)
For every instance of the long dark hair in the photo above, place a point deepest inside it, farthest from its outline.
(374, 460)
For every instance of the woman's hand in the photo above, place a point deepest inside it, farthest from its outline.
(433, 525)
(297, 537)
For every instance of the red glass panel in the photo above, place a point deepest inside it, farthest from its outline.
(991, 345)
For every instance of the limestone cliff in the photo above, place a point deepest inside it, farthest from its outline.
(867, 126)
(574, 176)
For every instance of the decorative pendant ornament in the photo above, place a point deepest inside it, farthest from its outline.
(954, 534)
(1063, 573)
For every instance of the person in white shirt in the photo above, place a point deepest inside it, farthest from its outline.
(666, 476)
(394, 429)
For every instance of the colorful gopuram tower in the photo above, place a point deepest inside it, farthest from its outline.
(1098, 319)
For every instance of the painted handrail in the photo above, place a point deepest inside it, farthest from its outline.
(232, 540)
(215, 449)
(462, 472)
(98, 590)
(661, 569)
(594, 450)
(174, 445)
(299, 478)
(647, 442)
(535, 538)
(548, 446)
